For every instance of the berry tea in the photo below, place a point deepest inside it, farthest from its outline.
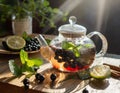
(72, 60)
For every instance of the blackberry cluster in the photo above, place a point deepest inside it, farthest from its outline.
(32, 44)
(68, 57)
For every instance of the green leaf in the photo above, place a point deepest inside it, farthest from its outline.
(55, 10)
(34, 62)
(30, 63)
(79, 47)
(45, 3)
(14, 68)
(70, 46)
(76, 52)
(88, 45)
(26, 68)
(48, 41)
(25, 36)
(67, 45)
(23, 56)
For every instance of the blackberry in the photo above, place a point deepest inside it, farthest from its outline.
(72, 65)
(32, 44)
(40, 78)
(53, 77)
(26, 83)
(36, 68)
(60, 60)
(66, 65)
(26, 86)
(56, 57)
(85, 91)
(68, 57)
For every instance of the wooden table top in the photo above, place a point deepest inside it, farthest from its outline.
(9, 84)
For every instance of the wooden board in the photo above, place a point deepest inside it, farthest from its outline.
(67, 86)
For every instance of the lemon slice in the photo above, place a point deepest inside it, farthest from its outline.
(100, 71)
(15, 42)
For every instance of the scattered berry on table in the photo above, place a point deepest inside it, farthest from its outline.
(85, 91)
(53, 77)
(26, 83)
(40, 78)
(26, 86)
(36, 68)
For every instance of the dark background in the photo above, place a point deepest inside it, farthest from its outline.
(97, 15)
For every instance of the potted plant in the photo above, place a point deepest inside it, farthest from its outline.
(23, 11)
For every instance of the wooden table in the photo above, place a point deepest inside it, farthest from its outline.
(9, 84)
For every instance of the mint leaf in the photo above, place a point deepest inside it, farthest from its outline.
(30, 63)
(23, 56)
(67, 45)
(76, 52)
(27, 65)
(88, 45)
(79, 47)
(34, 62)
(26, 68)
(70, 46)
(14, 68)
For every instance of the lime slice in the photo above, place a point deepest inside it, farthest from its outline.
(15, 42)
(100, 71)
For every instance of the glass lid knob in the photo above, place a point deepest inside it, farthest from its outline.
(72, 20)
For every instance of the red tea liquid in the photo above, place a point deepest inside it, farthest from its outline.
(66, 60)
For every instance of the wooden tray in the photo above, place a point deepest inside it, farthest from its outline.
(66, 86)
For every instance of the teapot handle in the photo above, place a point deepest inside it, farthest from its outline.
(104, 43)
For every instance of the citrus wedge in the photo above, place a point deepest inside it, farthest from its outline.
(15, 42)
(100, 71)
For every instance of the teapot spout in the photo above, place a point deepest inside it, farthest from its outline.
(45, 50)
(41, 40)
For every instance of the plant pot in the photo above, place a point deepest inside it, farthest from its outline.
(22, 25)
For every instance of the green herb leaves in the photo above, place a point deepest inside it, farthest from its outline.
(14, 68)
(74, 48)
(23, 56)
(27, 65)
(70, 46)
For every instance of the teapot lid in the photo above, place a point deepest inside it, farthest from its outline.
(72, 28)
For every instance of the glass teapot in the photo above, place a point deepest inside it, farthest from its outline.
(72, 50)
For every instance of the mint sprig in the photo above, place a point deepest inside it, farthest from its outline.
(15, 69)
(72, 47)
(27, 64)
